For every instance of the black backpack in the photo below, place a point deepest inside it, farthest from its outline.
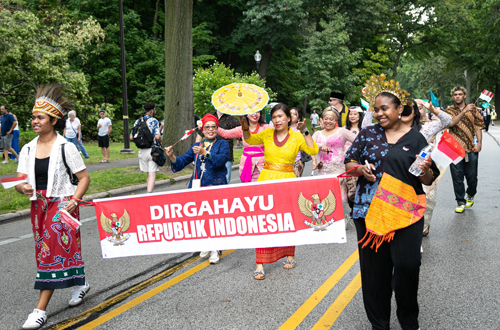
(142, 135)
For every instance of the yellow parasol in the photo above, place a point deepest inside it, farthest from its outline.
(240, 99)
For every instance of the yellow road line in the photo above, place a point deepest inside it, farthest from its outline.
(116, 299)
(304, 310)
(331, 315)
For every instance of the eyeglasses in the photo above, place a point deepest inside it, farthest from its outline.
(210, 128)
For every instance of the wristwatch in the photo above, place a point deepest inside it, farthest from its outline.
(306, 132)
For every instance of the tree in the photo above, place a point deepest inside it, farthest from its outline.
(326, 62)
(179, 107)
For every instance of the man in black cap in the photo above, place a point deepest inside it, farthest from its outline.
(336, 101)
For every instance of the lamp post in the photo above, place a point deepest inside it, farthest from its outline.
(257, 58)
(126, 148)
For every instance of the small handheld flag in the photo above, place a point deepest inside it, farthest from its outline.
(434, 99)
(12, 182)
(486, 95)
(186, 135)
(447, 151)
(485, 105)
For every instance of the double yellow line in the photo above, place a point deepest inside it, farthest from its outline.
(325, 322)
(333, 312)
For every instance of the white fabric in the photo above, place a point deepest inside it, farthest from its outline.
(314, 119)
(106, 122)
(72, 128)
(58, 183)
(146, 163)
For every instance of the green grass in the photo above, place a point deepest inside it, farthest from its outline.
(100, 181)
(93, 150)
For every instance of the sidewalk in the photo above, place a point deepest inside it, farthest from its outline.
(494, 132)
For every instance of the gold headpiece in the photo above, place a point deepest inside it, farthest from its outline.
(49, 107)
(376, 85)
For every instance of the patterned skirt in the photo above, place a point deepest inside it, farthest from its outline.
(273, 254)
(57, 247)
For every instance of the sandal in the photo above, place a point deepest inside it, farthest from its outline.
(290, 264)
(102, 161)
(426, 231)
(259, 275)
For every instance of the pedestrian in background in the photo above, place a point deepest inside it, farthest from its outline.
(73, 132)
(15, 138)
(146, 162)
(104, 129)
(466, 123)
(314, 120)
(8, 123)
(57, 246)
(337, 101)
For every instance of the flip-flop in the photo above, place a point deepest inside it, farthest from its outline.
(290, 263)
(102, 161)
(259, 275)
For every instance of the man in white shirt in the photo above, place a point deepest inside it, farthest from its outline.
(104, 129)
(314, 120)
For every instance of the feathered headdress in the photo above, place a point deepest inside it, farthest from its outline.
(51, 101)
(376, 85)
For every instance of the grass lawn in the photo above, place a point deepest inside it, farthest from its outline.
(94, 153)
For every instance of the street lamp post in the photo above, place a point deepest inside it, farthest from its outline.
(126, 148)
(257, 58)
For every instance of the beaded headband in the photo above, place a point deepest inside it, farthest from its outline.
(376, 85)
(49, 107)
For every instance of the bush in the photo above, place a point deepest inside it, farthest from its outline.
(207, 81)
(26, 136)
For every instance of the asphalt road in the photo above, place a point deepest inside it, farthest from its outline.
(458, 282)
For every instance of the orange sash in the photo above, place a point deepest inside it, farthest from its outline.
(278, 167)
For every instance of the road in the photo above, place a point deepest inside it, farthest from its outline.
(458, 282)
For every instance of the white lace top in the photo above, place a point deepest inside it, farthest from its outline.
(58, 182)
(428, 130)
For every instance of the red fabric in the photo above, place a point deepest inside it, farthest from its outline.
(273, 254)
(209, 117)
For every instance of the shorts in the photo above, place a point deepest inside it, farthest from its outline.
(146, 163)
(103, 141)
(313, 126)
(6, 141)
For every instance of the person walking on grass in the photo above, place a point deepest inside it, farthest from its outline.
(104, 130)
(8, 123)
(73, 132)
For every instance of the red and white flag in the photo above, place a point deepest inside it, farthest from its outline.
(187, 134)
(447, 151)
(11, 182)
(486, 95)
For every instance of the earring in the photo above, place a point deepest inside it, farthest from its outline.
(399, 116)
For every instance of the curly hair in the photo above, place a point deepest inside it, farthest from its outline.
(458, 88)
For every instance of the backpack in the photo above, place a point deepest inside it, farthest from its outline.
(142, 135)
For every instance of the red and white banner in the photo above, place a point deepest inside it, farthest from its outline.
(447, 151)
(486, 95)
(242, 216)
(13, 181)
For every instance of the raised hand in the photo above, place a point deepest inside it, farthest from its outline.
(301, 125)
(244, 123)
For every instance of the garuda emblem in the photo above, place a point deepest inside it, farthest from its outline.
(116, 227)
(318, 210)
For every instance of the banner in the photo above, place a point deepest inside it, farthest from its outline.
(238, 216)
(485, 105)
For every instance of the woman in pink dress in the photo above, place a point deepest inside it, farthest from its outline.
(252, 159)
(331, 141)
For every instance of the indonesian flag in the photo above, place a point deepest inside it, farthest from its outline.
(486, 95)
(447, 151)
(187, 134)
(11, 182)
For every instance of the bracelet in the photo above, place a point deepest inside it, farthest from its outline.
(74, 202)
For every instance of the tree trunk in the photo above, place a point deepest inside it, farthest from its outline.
(266, 59)
(396, 62)
(304, 106)
(441, 103)
(179, 106)
(497, 102)
(155, 20)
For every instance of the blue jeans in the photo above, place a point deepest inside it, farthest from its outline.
(79, 145)
(469, 170)
(229, 165)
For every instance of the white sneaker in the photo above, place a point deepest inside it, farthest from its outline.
(5, 162)
(16, 161)
(214, 257)
(78, 293)
(35, 320)
(204, 254)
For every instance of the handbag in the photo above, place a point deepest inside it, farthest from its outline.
(158, 155)
(72, 177)
(305, 157)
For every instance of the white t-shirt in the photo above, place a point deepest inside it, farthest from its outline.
(106, 122)
(72, 128)
(314, 119)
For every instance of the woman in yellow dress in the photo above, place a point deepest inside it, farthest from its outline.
(281, 146)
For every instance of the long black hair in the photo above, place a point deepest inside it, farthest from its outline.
(416, 124)
(299, 113)
(348, 124)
